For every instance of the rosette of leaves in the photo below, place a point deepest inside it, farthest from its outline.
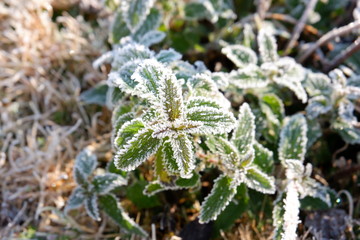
(95, 193)
(164, 131)
(298, 184)
(273, 69)
(333, 97)
(239, 166)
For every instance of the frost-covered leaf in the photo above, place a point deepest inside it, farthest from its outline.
(183, 155)
(149, 75)
(290, 74)
(312, 188)
(338, 78)
(110, 205)
(135, 12)
(221, 194)
(202, 102)
(314, 131)
(130, 52)
(171, 99)
(240, 55)
(137, 150)
(168, 56)
(152, 37)
(202, 85)
(113, 96)
(259, 181)
(227, 151)
(347, 131)
(317, 84)
(278, 216)
(263, 158)
(212, 120)
(119, 28)
(122, 78)
(293, 139)
(152, 22)
(220, 79)
(91, 206)
(75, 200)
(127, 132)
(249, 77)
(267, 46)
(318, 105)
(105, 183)
(85, 164)
(244, 133)
(80, 177)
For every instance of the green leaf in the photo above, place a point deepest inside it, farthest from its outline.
(317, 84)
(171, 99)
(183, 154)
(91, 206)
(109, 204)
(220, 196)
(95, 95)
(263, 158)
(135, 12)
(152, 37)
(233, 211)
(168, 159)
(127, 132)
(318, 105)
(273, 107)
(267, 46)
(249, 77)
(244, 133)
(152, 22)
(240, 55)
(293, 139)
(85, 164)
(278, 216)
(153, 188)
(259, 181)
(105, 183)
(314, 132)
(212, 120)
(195, 11)
(220, 79)
(137, 150)
(75, 200)
(188, 182)
(118, 28)
(168, 56)
(202, 102)
(135, 194)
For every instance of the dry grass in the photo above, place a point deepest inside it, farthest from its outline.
(44, 64)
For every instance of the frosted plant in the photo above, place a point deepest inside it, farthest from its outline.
(237, 157)
(334, 96)
(95, 193)
(164, 130)
(273, 69)
(298, 183)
